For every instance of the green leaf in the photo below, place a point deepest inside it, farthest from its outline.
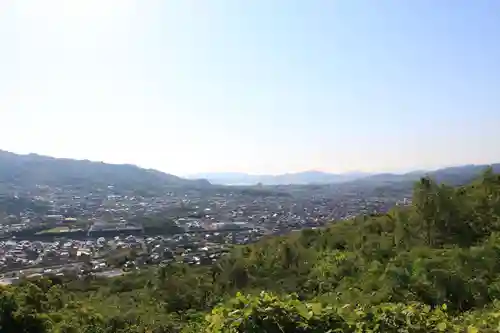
(472, 329)
(316, 308)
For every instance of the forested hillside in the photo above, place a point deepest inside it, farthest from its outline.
(431, 267)
(22, 172)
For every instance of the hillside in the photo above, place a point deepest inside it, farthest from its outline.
(24, 171)
(429, 267)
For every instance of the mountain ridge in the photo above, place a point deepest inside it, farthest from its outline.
(29, 169)
(298, 178)
(39, 169)
(447, 174)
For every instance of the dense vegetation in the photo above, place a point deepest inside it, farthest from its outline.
(431, 267)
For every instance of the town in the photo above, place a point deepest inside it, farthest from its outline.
(66, 231)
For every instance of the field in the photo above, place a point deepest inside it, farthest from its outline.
(55, 230)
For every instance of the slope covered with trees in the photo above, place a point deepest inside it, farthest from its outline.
(25, 171)
(430, 267)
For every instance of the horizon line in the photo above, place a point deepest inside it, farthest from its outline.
(197, 174)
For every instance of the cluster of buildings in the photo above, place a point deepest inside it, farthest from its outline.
(104, 229)
(103, 256)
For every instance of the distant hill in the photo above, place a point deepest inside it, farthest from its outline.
(306, 177)
(457, 175)
(28, 170)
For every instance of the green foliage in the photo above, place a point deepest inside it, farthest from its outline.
(267, 313)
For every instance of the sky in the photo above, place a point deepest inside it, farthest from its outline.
(261, 86)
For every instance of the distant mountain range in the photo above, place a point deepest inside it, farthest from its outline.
(24, 171)
(451, 175)
(300, 178)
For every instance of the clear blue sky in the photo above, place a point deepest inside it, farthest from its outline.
(261, 86)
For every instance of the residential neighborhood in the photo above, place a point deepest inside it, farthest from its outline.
(64, 230)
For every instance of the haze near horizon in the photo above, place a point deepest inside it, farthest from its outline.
(260, 87)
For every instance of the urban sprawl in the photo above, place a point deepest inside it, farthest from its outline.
(50, 230)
